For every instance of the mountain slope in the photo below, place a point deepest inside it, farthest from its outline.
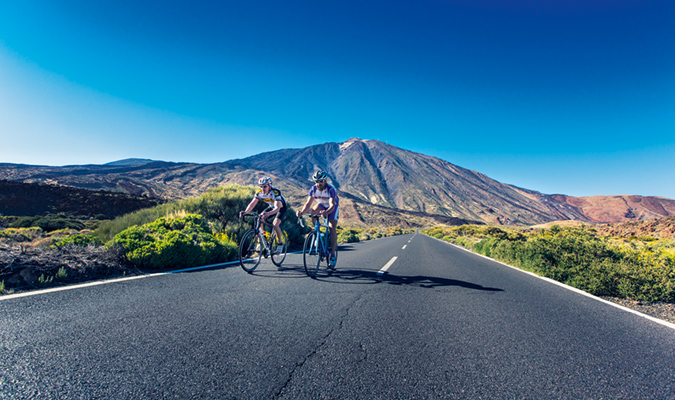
(623, 208)
(377, 181)
(386, 175)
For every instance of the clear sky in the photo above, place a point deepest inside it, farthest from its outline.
(563, 96)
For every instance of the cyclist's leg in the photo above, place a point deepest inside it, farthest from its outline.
(316, 209)
(332, 223)
(276, 224)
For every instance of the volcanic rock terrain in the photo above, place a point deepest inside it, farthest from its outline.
(378, 183)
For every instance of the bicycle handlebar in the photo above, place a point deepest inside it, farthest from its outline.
(317, 216)
(250, 214)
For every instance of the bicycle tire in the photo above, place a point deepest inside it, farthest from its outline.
(311, 254)
(249, 256)
(279, 258)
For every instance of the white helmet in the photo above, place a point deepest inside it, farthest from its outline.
(319, 176)
(265, 180)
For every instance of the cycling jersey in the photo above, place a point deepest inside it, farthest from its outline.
(324, 196)
(273, 195)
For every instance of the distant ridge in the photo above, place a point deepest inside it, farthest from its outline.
(381, 184)
(130, 162)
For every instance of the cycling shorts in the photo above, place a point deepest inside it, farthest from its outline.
(280, 214)
(332, 216)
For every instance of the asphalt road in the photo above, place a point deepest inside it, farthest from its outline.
(440, 323)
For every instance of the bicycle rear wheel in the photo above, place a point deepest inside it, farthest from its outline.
(250, 251)
(311, 254)
(278, 258)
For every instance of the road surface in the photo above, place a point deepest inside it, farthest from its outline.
(439, 323)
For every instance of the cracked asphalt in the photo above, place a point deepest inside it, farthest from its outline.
(441, 323)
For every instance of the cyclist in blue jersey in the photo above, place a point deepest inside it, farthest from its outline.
(276, 205)
(327, 205)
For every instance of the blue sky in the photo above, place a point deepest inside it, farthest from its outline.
(574, 97)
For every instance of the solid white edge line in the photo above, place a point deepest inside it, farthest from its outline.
(619, 306)
(386, 266)
(105, 282)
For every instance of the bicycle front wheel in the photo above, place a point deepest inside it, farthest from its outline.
(250, 251)
(311, 254)
(279, 256)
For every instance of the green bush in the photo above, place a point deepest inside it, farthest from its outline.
(174, 243)
(436, 232)
(220, 207)
(348, 236)
(79, 240)
(21, 234)
(581, 259)
(48, 223)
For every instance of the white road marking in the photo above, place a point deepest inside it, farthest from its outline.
(573, 289)
(105, 282)
(386, 267)
(404, 246)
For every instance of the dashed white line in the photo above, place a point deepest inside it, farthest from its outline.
(386, 266)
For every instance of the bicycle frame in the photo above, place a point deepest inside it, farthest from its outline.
(257, 225)
(316, 245)
(256, 243)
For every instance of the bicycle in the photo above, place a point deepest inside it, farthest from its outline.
(257, 243)
(317, 247)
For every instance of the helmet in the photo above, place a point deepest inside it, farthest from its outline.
(319, 176)
(265, 180)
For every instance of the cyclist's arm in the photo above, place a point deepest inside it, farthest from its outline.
(306, 207)
(250, 207)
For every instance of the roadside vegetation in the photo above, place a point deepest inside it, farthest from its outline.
(53, 249)
(355, 235)
(638, 267)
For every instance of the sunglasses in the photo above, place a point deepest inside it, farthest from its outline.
(264, 186)
(320, 181)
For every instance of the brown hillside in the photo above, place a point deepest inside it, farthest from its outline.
(622, 208)
(663, 228)
(382, 183)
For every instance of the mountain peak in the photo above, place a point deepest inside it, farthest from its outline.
(350, 142)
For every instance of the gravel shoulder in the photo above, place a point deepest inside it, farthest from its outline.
(660, 310)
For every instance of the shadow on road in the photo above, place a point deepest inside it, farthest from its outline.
(361, 277)
(352, 276)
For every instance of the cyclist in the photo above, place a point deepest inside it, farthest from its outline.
(327, 205)
(277, 205)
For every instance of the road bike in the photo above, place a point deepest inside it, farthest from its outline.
(317, 247)
(258, 243)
